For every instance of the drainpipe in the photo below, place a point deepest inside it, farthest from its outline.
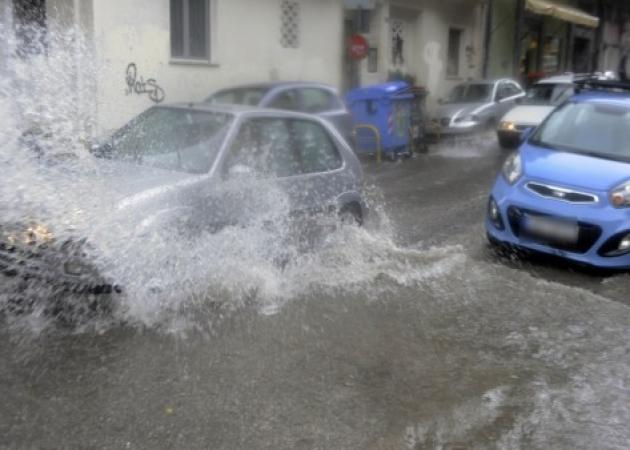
(596, 61)
(487, 37)
(518, 33)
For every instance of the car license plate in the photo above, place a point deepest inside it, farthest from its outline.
(546, 228)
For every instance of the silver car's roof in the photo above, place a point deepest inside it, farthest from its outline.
(236, 110)
(558, 79)
(493, 81)
(277, 84)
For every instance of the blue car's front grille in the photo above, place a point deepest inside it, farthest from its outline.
(562, 194)
(587, 236)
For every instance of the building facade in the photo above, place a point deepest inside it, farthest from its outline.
(118, 57)
(143, 52)
(434, 43)
(531, 39)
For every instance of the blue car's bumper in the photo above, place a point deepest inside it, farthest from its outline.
(600, 225)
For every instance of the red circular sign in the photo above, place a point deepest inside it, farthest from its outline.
(358, 47)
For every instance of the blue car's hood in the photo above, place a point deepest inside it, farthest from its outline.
(573, 169)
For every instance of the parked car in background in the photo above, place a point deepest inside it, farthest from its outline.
(311, 98)
(532, 109)
(476, 105)
(566, 191)
(168, 166)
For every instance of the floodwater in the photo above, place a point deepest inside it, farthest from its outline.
(408, 333)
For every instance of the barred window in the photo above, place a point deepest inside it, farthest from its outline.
(190, 29)
(290, 24)
(454, 45)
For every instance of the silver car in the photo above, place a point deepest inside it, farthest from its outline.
(173, 162)
(476, 105)
(306, 97)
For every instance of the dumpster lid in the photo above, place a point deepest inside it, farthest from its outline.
(394, 89)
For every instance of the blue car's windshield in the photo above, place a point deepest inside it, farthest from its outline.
(171, 138)
(597, 129)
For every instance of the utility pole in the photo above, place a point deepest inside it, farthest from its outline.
(518, 35)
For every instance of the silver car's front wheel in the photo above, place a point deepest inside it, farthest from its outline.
(351, 214)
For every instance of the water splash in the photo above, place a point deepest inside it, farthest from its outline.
(172, 277)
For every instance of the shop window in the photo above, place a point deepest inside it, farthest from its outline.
(551, 55)
(190, 29)
(454, 46)
(290, 24)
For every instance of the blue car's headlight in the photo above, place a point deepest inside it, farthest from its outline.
(620, 196)
(512, 168)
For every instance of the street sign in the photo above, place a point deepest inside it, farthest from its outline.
(358, 47)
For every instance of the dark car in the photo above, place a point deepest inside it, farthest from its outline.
(311, 98)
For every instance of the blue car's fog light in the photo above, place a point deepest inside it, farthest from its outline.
(494, 214)
(618, 245)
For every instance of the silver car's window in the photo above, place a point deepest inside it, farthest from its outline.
(263, 148)
(315, 100)
(171, 138)
(239, 96)
(316, 149)
(288, 100)
(548, 93)
(596, 129)
(470, 93)
(514, 88)
(507, 89)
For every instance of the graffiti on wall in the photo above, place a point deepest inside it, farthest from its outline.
(137, 85)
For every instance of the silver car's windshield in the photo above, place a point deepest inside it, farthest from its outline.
(470, 93)
(250, 96)
(601, 130)
(548, 94)
(171, 138)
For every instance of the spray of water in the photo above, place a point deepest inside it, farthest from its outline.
(171, 277)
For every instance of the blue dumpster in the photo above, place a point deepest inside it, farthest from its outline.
(387, 107)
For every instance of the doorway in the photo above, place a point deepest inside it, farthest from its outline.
(581, 55)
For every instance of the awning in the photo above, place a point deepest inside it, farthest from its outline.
(562, 12)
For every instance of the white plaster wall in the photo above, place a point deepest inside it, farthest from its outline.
(246, 49)
(430, 46)
(436, 19)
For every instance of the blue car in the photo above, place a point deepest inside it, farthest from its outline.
(566, 191)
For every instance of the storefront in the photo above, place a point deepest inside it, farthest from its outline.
(531, 39)
(554, 38)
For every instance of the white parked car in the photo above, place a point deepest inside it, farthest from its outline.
(531, 110)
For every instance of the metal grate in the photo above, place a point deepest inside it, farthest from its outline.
(290, 24)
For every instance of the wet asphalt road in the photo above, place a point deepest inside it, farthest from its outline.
(450, 347)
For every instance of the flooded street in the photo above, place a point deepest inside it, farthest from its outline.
(418, 338)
